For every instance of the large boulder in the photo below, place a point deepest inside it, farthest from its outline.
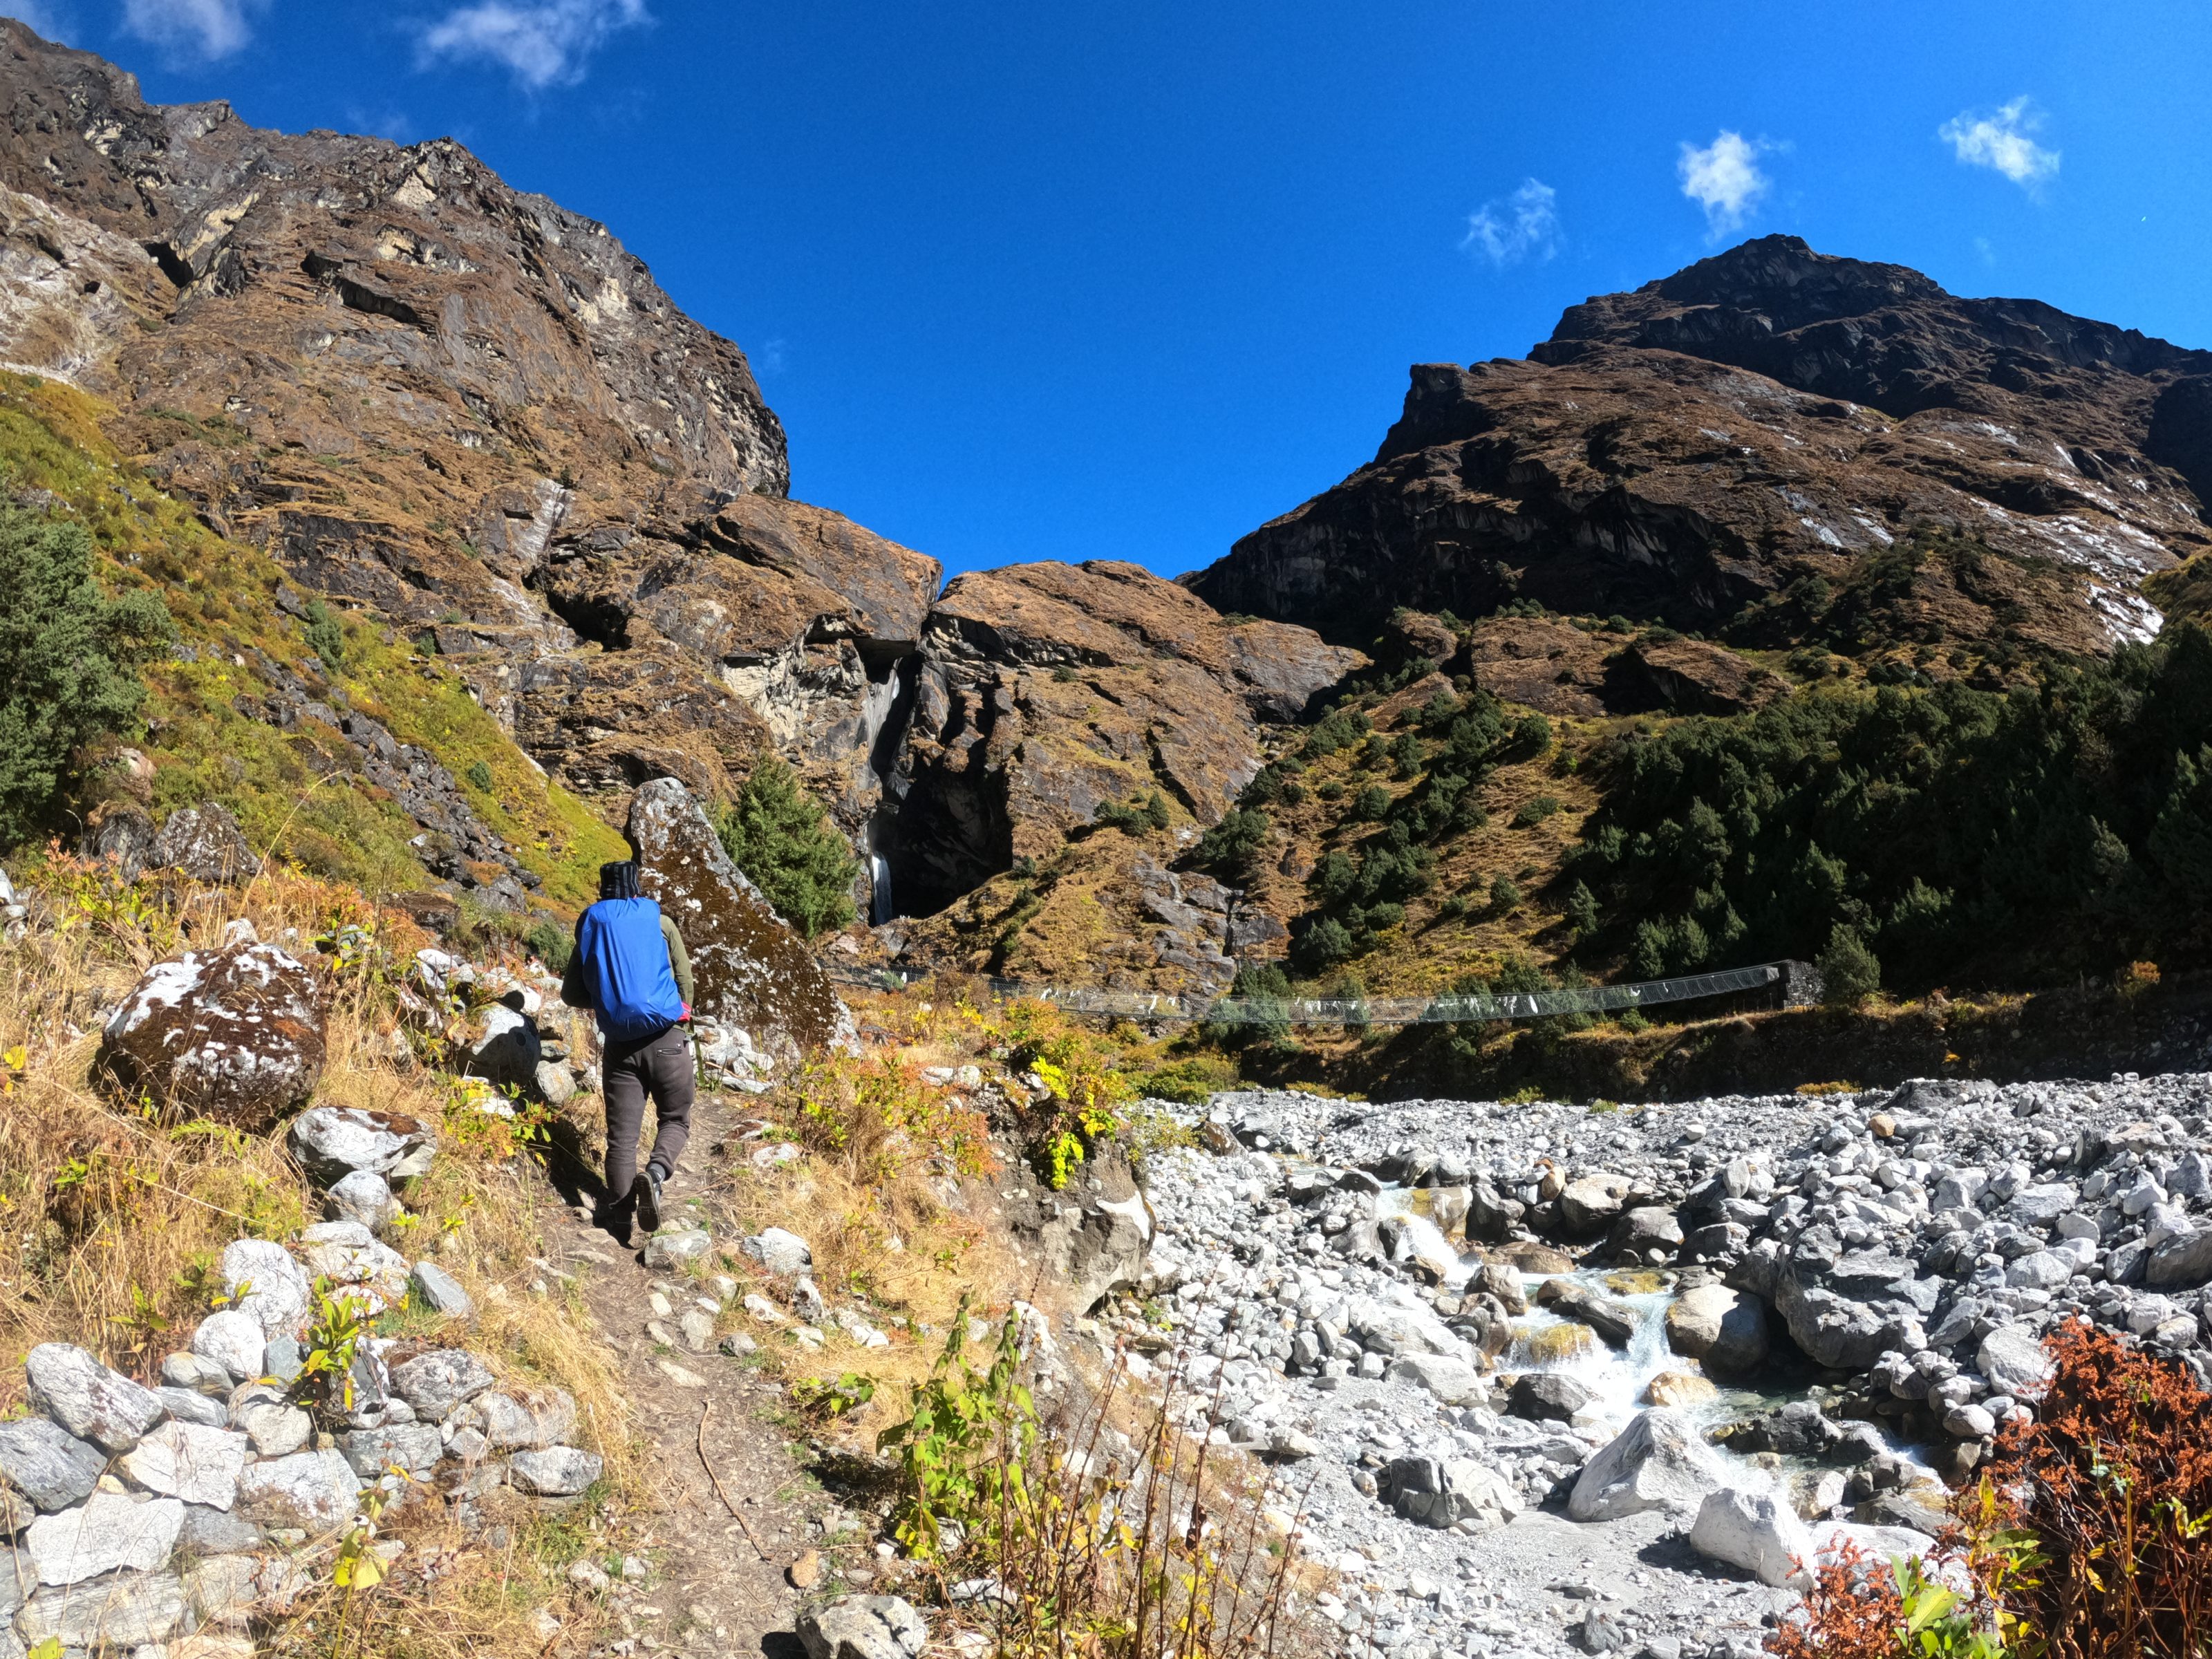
(205, 843)
(109, 1530)
(48, 1464)
(864, 1627)
(1724, 1329)
(1756, 1531)
(749, 970)
(1657, 1462)
(311, 1490)
(234, 1034)
(1443, 1493)
(85, 1397)
(1591, 1203)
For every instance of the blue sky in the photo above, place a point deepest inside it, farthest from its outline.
(1126, 280)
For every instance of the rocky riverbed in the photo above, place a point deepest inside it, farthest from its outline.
(1541, 1378)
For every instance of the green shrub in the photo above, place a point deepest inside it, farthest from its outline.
(1849, 973)
(1503, 894)
(1232, 844)
(781, 837)
(69, 661)
(326, 638)
(1371, 803)
(552, 942)
(1535, 811)
(479, 776)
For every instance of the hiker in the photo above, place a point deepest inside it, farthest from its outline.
(631, 969)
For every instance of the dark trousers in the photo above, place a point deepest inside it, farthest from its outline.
(660, 1066)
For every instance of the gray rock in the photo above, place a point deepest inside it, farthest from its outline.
(2039, 1206)
(189, 1405)
(362, 1196)
(547, 1419)
(2043, 1270)
(331, 1142)
(1451, 1380)
(506, 1049)
(672, 1248)
(198, 1464)
(273, 1426)
(344, 1253)
(234, 1340)
(222, 1588)
(2015, 1362)
(108, 1530)
(435, 1382)
(264, 1281)
(311, 1490)
(190, 1370)
(1548, 1397)
(781, 1253)
(48, 1464)
(414, 1447)
(433, 1287)
(285, 1361)
(1431, 1492)
(2184, 1261)
(205, 843)
(864, 1627)
(1590, 1203)
(1647, 1227)
(1756, 1531)
(553, 1471)
(1659, 1461)
(85, 1397)
(1724, 1329)
(91, 1617)
(1614, 1321)
(216, 1532)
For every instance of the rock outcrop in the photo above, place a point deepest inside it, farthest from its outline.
(1703, 451)
(755, 978)
(1049, 690)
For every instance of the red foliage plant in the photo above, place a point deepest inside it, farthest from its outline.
(2089, 1535)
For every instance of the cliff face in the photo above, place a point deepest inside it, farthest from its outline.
(1692, 451)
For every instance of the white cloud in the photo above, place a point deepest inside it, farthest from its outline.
(1998, 139)
(1524, 225)
(1724, 178)
(543, 43)
(204, 28)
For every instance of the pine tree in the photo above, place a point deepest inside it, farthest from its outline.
(780, 836)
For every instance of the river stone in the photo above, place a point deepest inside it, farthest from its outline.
(2015, 1362)
(93, 1617)
(553, 1471)
(1590, 1204)
(205, 843)
(1548, 1397)
(1658, 1461)
(433, 1384)
(1431, 1492)
(2185, 1261)
(234, 1340)
(1451, 1380)
(1646, 1228)
(312, 1490)
(1614, 1321)
(91, 1401)
(108, 1531)
(234, 1034)
(184, 1459)
(263, 1280)
(362, 1196)
(1756, 1531)
(331, 1142)
(1724, 1329)
(864, 1627)
(48, 1464)
(749, 970)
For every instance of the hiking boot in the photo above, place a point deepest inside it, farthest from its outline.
(644, 1198)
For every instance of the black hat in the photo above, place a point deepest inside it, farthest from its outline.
(618, 880)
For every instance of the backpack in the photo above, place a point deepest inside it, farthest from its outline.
(633, 987)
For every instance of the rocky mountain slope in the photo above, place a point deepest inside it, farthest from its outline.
(1728, 448)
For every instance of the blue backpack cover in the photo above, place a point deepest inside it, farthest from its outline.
(633, 987)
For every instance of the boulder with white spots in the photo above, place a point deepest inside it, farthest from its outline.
(234, 1034)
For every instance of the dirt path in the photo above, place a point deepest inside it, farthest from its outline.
(718, 1583)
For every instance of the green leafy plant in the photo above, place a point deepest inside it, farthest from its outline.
(963, 1448)
(781, 837)
(822, 1398)
(478, 773)
(325, 636)
(340, 1323)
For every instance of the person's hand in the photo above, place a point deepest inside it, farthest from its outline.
(687, 1014)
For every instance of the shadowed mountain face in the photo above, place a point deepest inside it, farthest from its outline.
(1690, 452)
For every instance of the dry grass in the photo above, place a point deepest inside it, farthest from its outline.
(115, 1217)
